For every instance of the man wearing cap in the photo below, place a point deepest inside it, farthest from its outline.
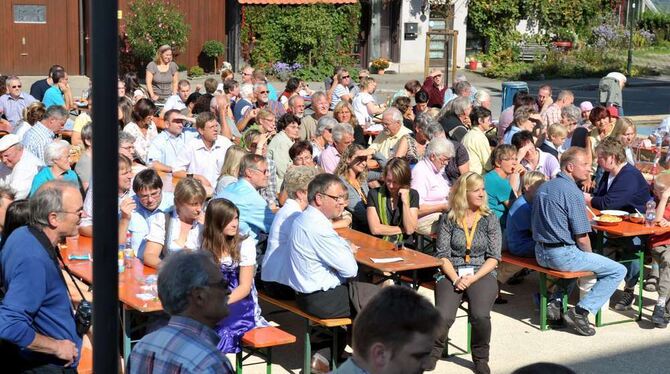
(435, 88)
(610, 91)
(14, 101)
(165, 147)
(553, 113)
(19, 165)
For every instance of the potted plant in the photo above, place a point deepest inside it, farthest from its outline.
(563, 39)
(472, 62)
(213, 49)
(378, 65)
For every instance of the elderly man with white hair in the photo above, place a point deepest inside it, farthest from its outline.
(19, 165)
(433, 188)
(343, 136)
(57, 159)
(455, 118)
(385, 143)
(14, 101)
(245, 103)
(263, 101)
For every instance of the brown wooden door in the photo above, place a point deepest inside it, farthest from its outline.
(38, 34)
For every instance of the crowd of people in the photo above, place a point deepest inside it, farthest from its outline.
(262, 184)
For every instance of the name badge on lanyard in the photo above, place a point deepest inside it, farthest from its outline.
(469, 236)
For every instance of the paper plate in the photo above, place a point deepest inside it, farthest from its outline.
(617, 213)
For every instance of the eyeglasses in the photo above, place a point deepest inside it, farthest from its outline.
(265, 171)
(153, 195)
(263, 92)
(346, 76)
(338, 199)
(78, 212)
(131, 146)
(19, 86)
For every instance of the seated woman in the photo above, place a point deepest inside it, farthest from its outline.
(432, 187)
(57, 158)
(468, 243)
(230, 168)
(393, 209)
(178, 229)
(142, 128)
(343, 113)
(353, 171)
(236, 255)
(626, 132)
(621, 187)
(501, 182)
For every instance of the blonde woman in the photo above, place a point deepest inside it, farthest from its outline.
(468, 243)
(344, 113)
(230, 169)
(626, 132)
(162, 75)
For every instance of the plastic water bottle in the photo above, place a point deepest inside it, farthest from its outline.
(128, 253)
(121, 262)
(650, 213)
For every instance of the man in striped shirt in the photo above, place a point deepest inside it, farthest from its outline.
(194, 293)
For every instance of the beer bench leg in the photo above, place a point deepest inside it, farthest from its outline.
(307, 365)
(125, 316)
(543, 301)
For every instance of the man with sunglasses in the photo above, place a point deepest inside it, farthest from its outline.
(195, 294)
(14, 101)
(263, 101)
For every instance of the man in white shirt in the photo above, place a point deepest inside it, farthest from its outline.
(274, 272)
(178, 101)
(203, 156)
(19, 165)
(168, 144)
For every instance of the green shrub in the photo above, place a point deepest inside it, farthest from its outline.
(182, 67)
(213, 48)
(196, 71)
(658, 23)
(152, 23)
(318, 37)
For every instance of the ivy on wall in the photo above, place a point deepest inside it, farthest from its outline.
(318, 36)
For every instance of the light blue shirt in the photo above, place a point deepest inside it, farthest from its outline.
(255, 215)
(53, 96)
(140, 221)
(13, 107)
(319, 259)
(165, 147)
(275, 263)
(507, 138)
(36, 139)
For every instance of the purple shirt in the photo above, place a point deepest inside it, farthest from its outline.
(13, 107)
(329, 159)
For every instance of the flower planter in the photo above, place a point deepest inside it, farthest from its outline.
(380, 71)
(563, 44)
(472, 64)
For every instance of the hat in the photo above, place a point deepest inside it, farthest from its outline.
(613, 111)
(618, 76)
(8, 141)
(585, 106)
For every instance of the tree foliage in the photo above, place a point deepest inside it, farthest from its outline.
(495, 20)
(318, 36)
(152, 23)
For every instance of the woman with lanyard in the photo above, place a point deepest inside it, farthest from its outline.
(468, 243)
(393, 209)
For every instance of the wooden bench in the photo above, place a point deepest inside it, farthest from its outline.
(531, 263)
(85, 361)
(531, 51)
(260, 341)
(330, 324)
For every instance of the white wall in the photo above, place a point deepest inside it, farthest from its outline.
(412, 52)
(460, 25)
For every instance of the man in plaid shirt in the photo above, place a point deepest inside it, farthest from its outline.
(194, 293)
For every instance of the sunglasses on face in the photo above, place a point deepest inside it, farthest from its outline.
(345, 77)
(262, 92)
(19, 86)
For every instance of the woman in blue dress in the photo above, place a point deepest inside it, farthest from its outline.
(236, 255)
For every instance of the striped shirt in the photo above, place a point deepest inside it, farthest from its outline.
(37, 138)
(183, 346)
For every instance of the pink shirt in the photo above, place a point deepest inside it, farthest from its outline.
(432, 187)
(329, 159)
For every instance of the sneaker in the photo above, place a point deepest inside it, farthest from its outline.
(626, 300)
(579, 322)
(482, 367)
(658, 317)
(651, 284)
(554, 309)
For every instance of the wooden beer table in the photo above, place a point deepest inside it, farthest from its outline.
(130, 285)
(372, 247)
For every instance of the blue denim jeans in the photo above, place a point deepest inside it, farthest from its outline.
(608, 273)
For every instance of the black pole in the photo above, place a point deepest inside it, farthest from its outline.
(104, 40)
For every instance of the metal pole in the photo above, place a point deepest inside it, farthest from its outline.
(454, 55)
(631, 20)
(104, 47)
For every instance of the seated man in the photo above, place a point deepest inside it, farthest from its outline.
(19, 165)
(165, 147)
(45, 130)
(178, 100)
(343, 136)
(384, 144)
(195, 294)
(561, 227)
(397, 342)
(255, 215)
(622, 187)
(432, 187)
(150, 200)
(532, 158)
(203, 157)
(274, 272)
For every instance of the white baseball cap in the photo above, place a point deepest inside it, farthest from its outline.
(8, 141)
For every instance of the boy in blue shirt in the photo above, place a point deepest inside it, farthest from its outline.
(518, 232)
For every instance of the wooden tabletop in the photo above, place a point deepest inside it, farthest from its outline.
(626, 228)
(373, 247)
(130, 281)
